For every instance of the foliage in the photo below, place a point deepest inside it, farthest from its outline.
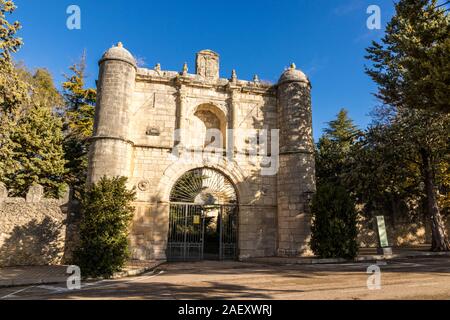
(334, 228)
(334, 147)
(411, 65)
(79, 123)
(106, 215)
(398, 158)
(13, 90)
(32, 138)
(37, 154)
(42, 90)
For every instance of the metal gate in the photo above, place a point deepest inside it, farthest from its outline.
(198, 232)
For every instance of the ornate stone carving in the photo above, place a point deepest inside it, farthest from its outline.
(207, 64)
(153, 131)
(143, 185)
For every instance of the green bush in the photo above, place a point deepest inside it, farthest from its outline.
(334, 228)
(106, 216)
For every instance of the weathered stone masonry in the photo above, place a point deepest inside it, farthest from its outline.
(33, 229)
(137, 115)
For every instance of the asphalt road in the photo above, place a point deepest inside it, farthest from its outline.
(425, 278)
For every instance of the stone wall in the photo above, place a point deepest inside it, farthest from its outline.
(401, 233)
(32, 229)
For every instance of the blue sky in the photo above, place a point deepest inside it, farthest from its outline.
(326, 39)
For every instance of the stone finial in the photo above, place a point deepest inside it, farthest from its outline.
(35, 193)
(185, 69)
(293, 66)
(158, 67)
(255, 78)
(233, 76)
(3, 192)
(120, 44)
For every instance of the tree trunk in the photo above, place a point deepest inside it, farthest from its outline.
(439, 236)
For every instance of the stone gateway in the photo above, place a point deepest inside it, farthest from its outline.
(223, 168)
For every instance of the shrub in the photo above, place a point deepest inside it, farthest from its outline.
(106, 215)
(334, 228)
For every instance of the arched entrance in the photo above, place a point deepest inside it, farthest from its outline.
(203, 217)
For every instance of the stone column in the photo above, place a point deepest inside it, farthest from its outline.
(233, 121)
(181, 115)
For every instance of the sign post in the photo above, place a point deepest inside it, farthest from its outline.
(383, 244)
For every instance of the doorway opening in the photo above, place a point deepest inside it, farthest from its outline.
(203, 217)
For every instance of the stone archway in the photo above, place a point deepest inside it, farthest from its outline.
(203, 217)
(229, 168)
(207, 127)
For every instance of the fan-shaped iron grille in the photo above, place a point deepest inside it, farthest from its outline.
(203, 186)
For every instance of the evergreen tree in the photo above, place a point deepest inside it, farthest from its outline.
(106, 215)
(411, 65)
(334, 229)
(333, 148)
(79, 117)
(30, 134)
(13, 91)
(37, 153)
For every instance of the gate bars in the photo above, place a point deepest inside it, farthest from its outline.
(187, 225)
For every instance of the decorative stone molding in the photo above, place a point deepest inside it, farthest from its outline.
(143, 185)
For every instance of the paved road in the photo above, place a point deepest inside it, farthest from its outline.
(427, 278)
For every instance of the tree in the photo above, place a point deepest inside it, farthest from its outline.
(79, 123)
(334, 228)
(411, 65)
(13, 91)
(403, 158)
(106, 215)
(333, 148)
(41, 87)
(37, 153)
(33, 136)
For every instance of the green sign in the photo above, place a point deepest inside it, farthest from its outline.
(382, 232)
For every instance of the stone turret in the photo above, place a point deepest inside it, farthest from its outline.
(111, 149)
(296, 176)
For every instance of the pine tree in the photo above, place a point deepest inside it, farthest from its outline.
(333, 148)
(13, 91)
(106, 215)
(334, 229)
(411, 65)
(79, 115)
(37, 153)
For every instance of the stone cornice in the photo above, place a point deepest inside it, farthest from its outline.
(222, 84)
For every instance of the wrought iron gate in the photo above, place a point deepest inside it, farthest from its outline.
(198, 232)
